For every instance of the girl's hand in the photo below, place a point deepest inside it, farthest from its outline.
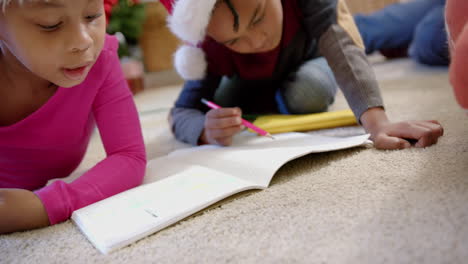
(221, 125)
(21, 210)
(387, 135)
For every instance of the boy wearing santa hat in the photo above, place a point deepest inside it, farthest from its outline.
(285, 56)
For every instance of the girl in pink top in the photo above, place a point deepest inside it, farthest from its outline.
(59, 76)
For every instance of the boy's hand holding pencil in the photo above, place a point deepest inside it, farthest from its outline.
(221, 124)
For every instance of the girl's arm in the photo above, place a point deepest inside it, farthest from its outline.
(21, 210)
(124, 167)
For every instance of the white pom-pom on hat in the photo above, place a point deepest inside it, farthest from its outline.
(188, 20)
(190, 62)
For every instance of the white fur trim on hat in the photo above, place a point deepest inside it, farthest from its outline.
(190, 18)
(190, 62)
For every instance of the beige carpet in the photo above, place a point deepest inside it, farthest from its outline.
(353, 206)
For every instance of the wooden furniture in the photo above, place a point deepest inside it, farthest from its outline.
(157, 42)
(368, 6)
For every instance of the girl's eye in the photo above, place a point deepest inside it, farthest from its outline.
(50, 28)
(93, 17)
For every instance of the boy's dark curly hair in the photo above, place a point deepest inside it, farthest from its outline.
(233, 10)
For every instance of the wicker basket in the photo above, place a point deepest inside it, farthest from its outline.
(368, 6)
(157, 42)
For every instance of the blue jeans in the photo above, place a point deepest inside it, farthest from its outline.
(311, 89)
(417, 25)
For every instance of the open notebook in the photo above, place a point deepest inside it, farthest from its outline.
(188, 180)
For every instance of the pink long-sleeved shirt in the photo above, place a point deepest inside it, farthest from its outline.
(51, 142)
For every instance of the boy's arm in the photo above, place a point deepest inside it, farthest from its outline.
(187, 124)
(342, 46)
(187, 117)
(359, 85)
(352, 70)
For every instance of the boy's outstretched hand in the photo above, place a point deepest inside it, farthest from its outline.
(388, 135)
(221, 125)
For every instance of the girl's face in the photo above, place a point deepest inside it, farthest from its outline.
(259, 28)
(58, 40)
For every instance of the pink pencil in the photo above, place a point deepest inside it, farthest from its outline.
(244, 122)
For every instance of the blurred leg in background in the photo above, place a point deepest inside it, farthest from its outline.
(416, 25)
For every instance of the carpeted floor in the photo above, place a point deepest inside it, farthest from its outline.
(353, 206)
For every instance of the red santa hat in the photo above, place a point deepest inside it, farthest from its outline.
(188, 20)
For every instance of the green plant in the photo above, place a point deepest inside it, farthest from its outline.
(127, 17)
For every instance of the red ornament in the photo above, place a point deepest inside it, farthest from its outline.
(108, 4)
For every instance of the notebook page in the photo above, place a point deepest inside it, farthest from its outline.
(256, 159)
(129, 216)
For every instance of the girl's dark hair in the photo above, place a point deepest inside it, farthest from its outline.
(233, 11)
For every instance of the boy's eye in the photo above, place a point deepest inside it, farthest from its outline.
(51, 27)
(258, 21)
(232, 43)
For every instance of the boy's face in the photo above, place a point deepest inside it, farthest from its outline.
(58, 40)
(259, 29)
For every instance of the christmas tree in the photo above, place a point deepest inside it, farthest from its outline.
(126, 17)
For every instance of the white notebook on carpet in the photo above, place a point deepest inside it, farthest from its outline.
(188, 180)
